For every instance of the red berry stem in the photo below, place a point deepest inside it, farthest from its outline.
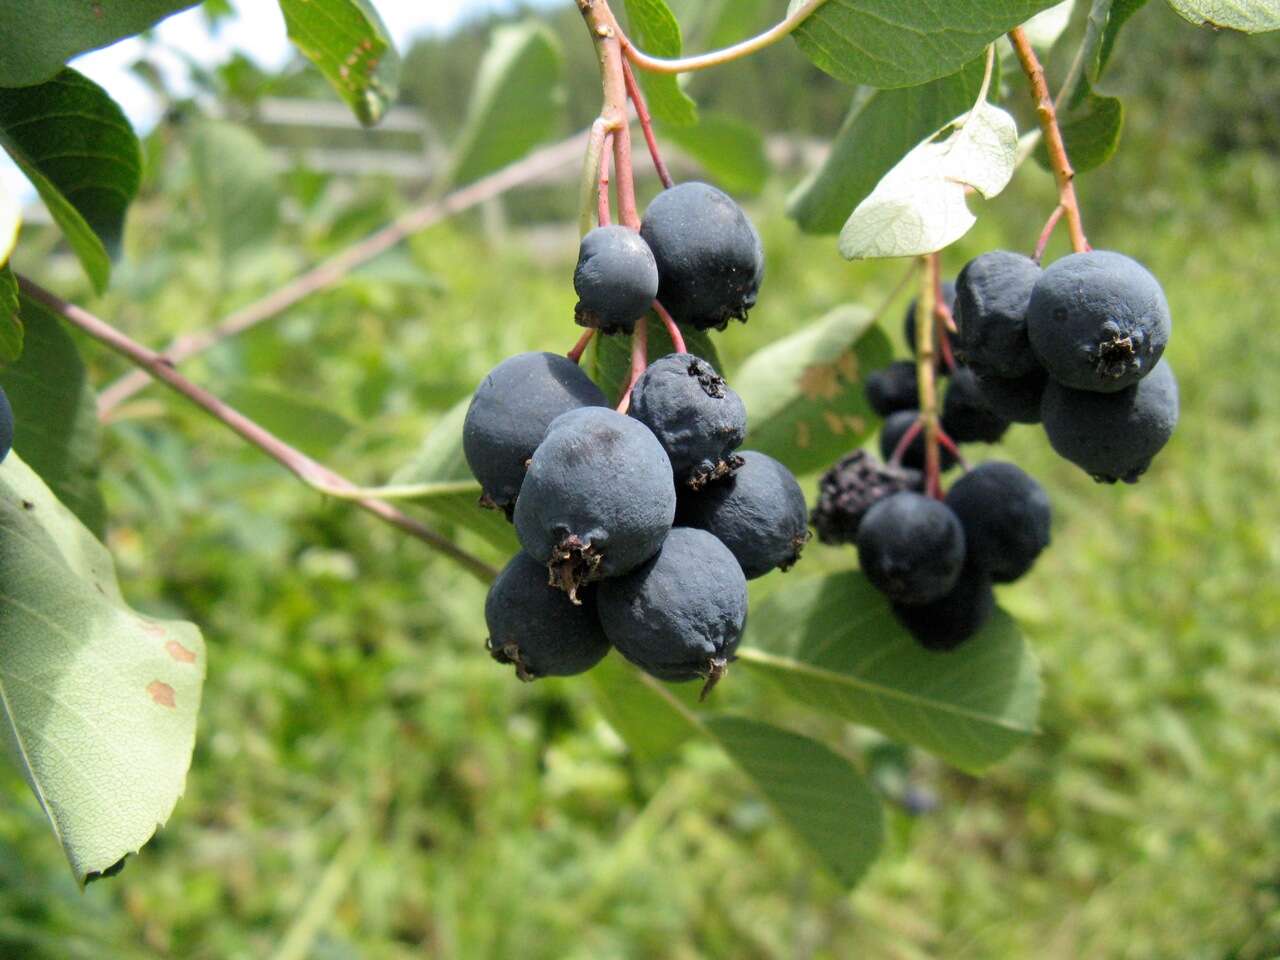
(602, 190)
(673, 329)
(580, 347)
(913, 431)
(646, 124)
(950, 446)
(1047, 232)
(639, 360)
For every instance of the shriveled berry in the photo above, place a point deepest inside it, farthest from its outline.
(849, 489)
(993, 292)
(1017, 401)
(539, 629)
(598, 498)
(1005, 514)
(1098, 321)
(509, 416)
(911, 547)
(680, 615)
(966, 418)
(694, 414)
(759, 513)
(710, 259)
(954, 617)
(892, 431)
(893, 388)
(616, 279)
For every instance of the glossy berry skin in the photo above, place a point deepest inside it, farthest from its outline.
(1017, 401)
(537, 628)
(710, 259)
(1006, 516)
(1113, 436)
(598, 498)
(850, 488)
(616, 279)
(895, 427)
(510, 413)
(893, 388)
(911, 547)
(694, 414)
(993, 292)
(759, 513)
(950, 620)
(6, 426)
(680, 615)
(1098, 321)
(909, 326)
(966, 418)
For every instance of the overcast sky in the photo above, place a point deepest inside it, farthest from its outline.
(257, 31)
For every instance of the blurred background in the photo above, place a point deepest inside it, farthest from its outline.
(367, 783)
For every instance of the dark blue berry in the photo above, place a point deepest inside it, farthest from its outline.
(849, 489)
(1005, 514)
(616, 279)
(954, 617)
(893, 388)
(911, 547)
(966, 418)
(992, 295)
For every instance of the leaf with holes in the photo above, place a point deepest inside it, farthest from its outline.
(832, 643)
(919, 206)
(654, 29)
(11, 330)
(1247, 16)
(56, 414)
(54, 31)
(517, 103)
(804, 396)
(882, 126)
(900, 43)
(820, 795)
(99, 702)
(349, 43)
(78, 150)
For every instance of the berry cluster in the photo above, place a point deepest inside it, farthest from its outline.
(1076, 346)
(639, 529)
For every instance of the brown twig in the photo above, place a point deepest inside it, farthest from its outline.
(295, 461)
(926, 372)
(330, 271)
(646, 124)
(1048, 117)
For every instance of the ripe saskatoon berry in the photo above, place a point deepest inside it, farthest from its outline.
(1113, 436)
(1017, 401)
(1098, 321)
(992, 294)
(966, 418)
(849, 489)
(895, 428)
(953, 618)
(696, 417)
(709, 256)
(1005, 514)
(893, 388)
(911, 547)
(680, 615)
(598, 498)
(509, 416)
(6, 426)
(616, 279)
(537, 628)
(909, 325)
(759, 513)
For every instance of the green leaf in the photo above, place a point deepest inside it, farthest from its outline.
(42, 35)
(235, 185)
(804, 395)
(455, 494)
(98, 703)
(610, 357)
(78, 150)
(307, 425)
(349, 43)
(919, 206)
(730, 151)
(816, 792)
(881, 128)
(1247, 16)
(653, 28)
(1044, 29)
(517, 102)
(1090, 130)
(56, 414)
(1119, 14)
(10, 222)
(10, 321)
(832, 643)
(901, 43)
(640, 713)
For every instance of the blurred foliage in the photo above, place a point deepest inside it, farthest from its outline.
(367, 783)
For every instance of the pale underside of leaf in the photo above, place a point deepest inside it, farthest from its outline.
(1247, 16)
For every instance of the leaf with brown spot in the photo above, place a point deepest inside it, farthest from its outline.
(81, 677)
